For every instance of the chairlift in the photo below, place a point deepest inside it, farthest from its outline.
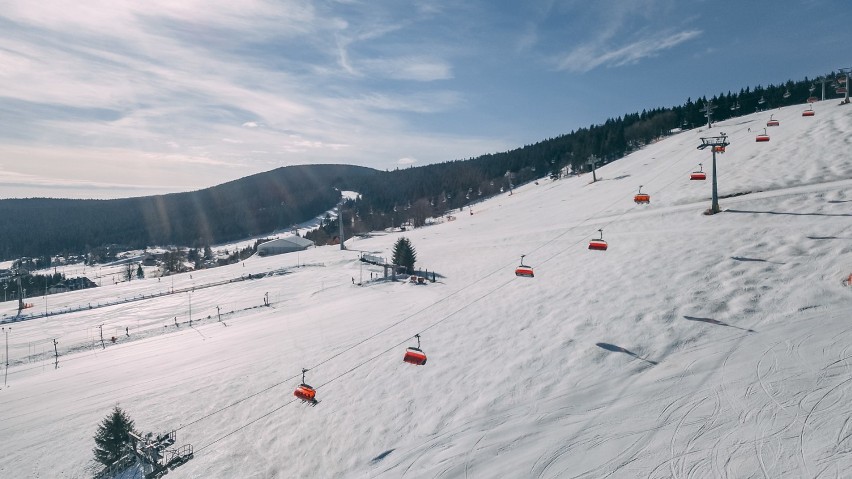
(809, 111)
(306, 393)
(414, 355)
(841, 90)
(642, 198)
(762, 137)
(761, 101)
(698, 175)
(719, 148)
(841, 79)
(598, 244)
(786, 94)
(772, 121)
(524, 270)
(735, 106)
(812, 99)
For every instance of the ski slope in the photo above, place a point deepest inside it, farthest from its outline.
(696, 346)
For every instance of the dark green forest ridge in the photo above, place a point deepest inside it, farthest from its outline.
(264, 202)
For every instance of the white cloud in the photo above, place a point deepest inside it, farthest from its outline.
(406, 161)
(251, 124)
(410, 68)
(423, 102)
(590, 56)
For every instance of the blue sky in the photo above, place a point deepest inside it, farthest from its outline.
(107, 98)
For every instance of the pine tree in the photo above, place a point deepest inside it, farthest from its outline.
(113, 437)
(404, 255)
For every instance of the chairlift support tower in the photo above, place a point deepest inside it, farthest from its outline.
(847, 73)
(712, 142)
(593, 160)
(708, 112)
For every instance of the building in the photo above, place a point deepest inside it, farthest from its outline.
(283, 245)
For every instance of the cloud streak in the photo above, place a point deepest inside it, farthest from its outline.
(590, 56)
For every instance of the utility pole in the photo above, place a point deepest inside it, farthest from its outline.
(708, 112)
(55, 354)
(266, 299)
(190, 308)
(714, 143)
(102, 336)
(18, 275)
(340, 223)
(592, 161)
(6, 330)
(823, 80)
(845, 83)
(219, 314)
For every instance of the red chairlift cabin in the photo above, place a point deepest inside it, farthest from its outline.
(812, 99)
(642, 198)
(808, 112)
(772, 121)
(598, 244)
(524, 270)
(762, 137)
(305, 392)
(698, 175)
(719, 149)
(414, 355)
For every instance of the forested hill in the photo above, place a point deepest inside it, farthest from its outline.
(252, 205)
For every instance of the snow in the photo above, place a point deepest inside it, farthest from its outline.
(696, 346)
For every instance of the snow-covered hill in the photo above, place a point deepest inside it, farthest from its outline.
(696, 346)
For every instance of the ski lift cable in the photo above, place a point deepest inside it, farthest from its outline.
(231, 433)
(238, 401)
(427, 307)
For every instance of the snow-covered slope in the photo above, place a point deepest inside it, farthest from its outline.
(696, 346)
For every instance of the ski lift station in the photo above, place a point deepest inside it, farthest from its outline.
(289, 244)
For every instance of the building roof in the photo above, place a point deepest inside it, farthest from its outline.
(289, 241)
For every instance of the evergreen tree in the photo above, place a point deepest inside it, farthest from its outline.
(113, 437)
(139, 272)
(404, 255)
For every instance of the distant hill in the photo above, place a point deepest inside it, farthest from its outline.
(249, 206)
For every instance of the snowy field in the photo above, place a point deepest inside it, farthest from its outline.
(696, 346)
